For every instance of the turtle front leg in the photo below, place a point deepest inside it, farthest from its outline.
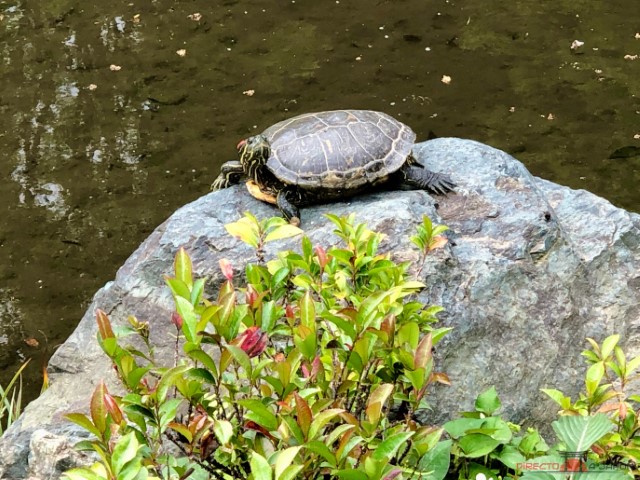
(230, 174)
(288, 209)
(418, 177)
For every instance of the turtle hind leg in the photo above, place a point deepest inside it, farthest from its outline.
(417, 177)
(230, 174)
(289, 210)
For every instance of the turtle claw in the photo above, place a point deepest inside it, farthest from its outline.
(441, 184)
(219, 183)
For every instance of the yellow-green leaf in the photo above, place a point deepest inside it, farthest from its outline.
(283, 231)
(183, 268)
(376, 401)
(284, 459)
(245, 230)
(260, 468)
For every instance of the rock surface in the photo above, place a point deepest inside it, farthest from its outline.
(531, 269)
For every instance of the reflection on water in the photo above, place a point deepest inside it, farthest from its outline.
(113, 115)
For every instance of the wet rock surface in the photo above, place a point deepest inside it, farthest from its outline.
(531, 269)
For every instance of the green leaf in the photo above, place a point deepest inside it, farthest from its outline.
(223, 431)
(389, 446)
(283, 459)
(241, 357)
(168, 380)
(260, 468)
(125, 450)
(306, 341)
(178, 288)
(321, 420)
(290, 472)
(510, 456)
(350, 474)
(344, 256)
(98, 408)
(269, 316)
(488, 402)
(608, 345)
(201, 374)
(283, 231)
(436, 461)
(369, 307)
(168, 411)
(337, 432)
(320, 448)
(457, 428)
(82, 420)
(308, 311)
(204, 358)
(558, 397)
(578, 433)
(82, 474)
(197, 291)
(594, 377)
(476, 445)
(189, 317)
(260, 414)
(183, 268)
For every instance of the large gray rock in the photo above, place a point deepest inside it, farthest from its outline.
(531, 269)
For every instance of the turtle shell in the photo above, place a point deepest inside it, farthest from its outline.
(341, 149)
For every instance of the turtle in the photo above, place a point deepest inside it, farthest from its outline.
(324, 156)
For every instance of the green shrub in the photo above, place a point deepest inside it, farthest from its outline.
(312, 369)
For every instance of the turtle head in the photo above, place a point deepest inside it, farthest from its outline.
(253, 153)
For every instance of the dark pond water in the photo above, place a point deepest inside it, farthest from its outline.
(115, 113)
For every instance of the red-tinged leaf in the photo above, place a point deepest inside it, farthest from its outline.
(251, 425)
(226, 268)
(98, 407)
(622, 410)
(289, 312)
(251, 296)
(177, 320)
(104, 325)
(440, 377)
(423, 352)
(392, 474)
(316, 367)
(377, 400)
(183, 268)
(113, 408)
(252, 341)
(388, 326)
(438, 242)
(322, 256)
(305, 416)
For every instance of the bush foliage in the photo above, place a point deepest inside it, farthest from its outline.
(312, 366)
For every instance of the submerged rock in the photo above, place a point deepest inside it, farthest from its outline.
(531, 269)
